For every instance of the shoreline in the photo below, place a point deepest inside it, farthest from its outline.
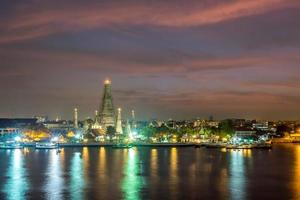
(196, 145)
(112, 144)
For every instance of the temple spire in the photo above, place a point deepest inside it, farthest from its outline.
(107, 112)
(128, 128)
(75, 118)
(119, 129)
(133, 122)
(133, 115)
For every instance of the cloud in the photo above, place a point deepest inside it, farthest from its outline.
(168, 58)
(225, 103)
(137, 63)
(219, 85)
(43, 18)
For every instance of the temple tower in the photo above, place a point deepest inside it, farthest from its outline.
(128, 128)
(119, 129)
(75, 118)
(133, 115)
(133, 122)
(96, 124)
(107, 112)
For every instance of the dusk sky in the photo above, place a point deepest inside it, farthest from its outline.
(166, 58)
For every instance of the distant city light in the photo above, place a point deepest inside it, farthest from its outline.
(17, 139)
(55, 139)
(77, 136)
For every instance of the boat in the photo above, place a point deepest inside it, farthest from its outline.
(11, 145)
(263, 146)
(249, 146)
(199, 145)
(122, 146)
(241, 146)
(46, 145)
(215, 145)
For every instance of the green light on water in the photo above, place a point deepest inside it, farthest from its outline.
(55, 182)
(132, 182)
(77, 180)
(17, 184)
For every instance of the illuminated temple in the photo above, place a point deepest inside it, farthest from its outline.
(106, 116)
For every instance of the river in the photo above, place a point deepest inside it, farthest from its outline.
(150, 173)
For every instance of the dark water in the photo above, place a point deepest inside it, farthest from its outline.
(150, 173)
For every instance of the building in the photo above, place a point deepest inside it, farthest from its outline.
(15, 125)
(263, 126)
(41, 119)
(17, 122)
(61, 124)
(106, 117)
(244, 131)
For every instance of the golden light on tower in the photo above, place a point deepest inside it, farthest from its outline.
(107, 81)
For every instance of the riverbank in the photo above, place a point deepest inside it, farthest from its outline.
(197, 145)
(111, 144)
(285, 140)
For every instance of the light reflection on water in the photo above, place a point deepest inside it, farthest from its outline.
(237, 175)
(132, 182)
(17, 184)
(296, 179)
(54, 177)
(154, 164)
(150, 173)
(173, 172)
(102, 164)
(77, 182)
(86, 164)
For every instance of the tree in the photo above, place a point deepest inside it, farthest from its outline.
(282, 129)
(148, 131)
(214, 131)
(110, 130)
(226, 128)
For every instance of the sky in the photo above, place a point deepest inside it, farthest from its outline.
(177, 59)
